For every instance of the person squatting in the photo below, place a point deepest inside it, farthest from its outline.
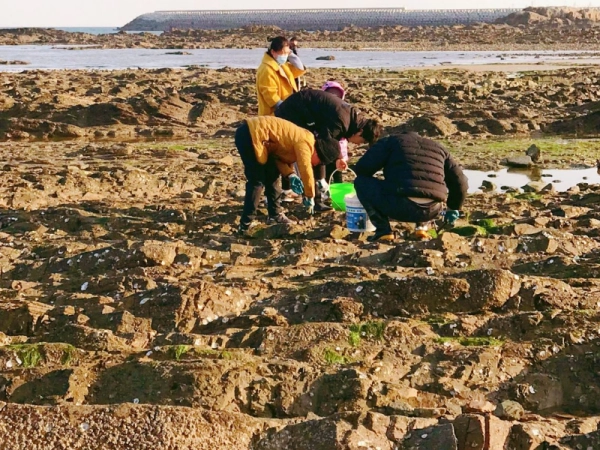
(300, 139)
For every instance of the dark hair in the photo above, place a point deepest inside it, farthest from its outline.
(278, 43)
(371, 131)
(328, 149)
(293, 39)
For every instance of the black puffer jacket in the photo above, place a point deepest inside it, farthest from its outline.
(414, 166)
(322, 113)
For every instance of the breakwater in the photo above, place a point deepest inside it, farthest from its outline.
(312, 19)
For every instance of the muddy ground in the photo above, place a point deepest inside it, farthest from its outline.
(131, 316)
(466, 109)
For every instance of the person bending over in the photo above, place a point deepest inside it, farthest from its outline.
(420, 176)
(269, 147)
(328, 115)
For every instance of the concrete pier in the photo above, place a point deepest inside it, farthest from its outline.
(311, 19)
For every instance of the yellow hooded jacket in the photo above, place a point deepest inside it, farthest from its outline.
(290, 144)
(274, 83)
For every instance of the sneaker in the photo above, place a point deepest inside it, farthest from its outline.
(381, 236)
(289, 196)
(243, 228)
(421, 232)
(280, 218)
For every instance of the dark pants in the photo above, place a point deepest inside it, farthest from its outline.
(337, 177)
(381, 204)
(324, 172)
(259, 177)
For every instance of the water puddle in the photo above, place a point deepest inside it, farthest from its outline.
(562, 179)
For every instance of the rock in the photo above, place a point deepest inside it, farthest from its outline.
(525, 437)
(13, 63)
(524, 229)
(347, 310)
(400, 426)
(158, 253)
(517, 161)
(324, 434)
(534, 153)
(339, 232)
(226, 161)
(549, 188)
(452, 243)
(86, 426)
(489, 288)
(497, 127)
(537, 186)
(362, 439)
(424, 294)
(541, 242)
(470, 432)
(587, 441)
(569, 212)
(434, 438)
(480, 406)
(542, 392)
(488, 186)
(510, 410)
(326, 58)
(431, 126)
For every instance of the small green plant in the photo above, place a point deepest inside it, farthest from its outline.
(529, 196)
(470, 230)
(226, 355)
(180, 350)
(486, 223)
(436, 320)
(69, 353)
(29, 354)
(207, 352)
(472, 341)
(433, 233)
(333, 357)
(369, 330)
(354, 337)
(374, 330)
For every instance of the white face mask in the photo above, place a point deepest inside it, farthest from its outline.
(281, 59)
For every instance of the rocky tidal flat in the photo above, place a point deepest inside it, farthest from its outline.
(132, 316)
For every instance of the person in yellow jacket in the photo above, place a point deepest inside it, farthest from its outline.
(275, 77)
(269, 147)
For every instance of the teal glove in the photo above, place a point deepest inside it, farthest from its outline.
(451, 216)
(309, 204)
(296, 184)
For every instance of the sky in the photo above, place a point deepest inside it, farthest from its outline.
(89, 13)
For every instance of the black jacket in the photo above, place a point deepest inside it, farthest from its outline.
(414, 166)
(322, 113)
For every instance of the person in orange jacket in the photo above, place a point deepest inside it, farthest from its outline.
(275, 77)
(269, 147)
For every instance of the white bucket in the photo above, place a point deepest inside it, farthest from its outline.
(357, 219)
